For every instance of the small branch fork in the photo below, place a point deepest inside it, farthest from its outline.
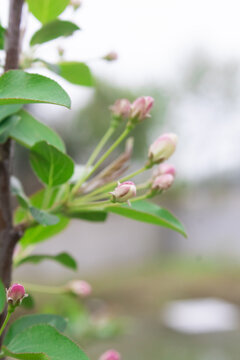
(8, 235)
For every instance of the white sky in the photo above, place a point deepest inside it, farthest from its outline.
(154, 40)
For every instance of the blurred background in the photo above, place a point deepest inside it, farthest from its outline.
(155, 294)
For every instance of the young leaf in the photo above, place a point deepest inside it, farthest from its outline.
(76, 73)
(6, 126)
(150, 213)
(50, 165)
(47, 10)
(2, 297)
(19, 87)
(46, 339)
(63, 259)
(41, 233)
(42, 217)
(88, 215)
(27, 356)
(28, 131)
(28, 321)
(2, 37)
(6, 110)
(17, 190)
(53, 30)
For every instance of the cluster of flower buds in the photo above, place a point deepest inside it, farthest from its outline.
(110, 355)
(111, 56)
(135, 112)
(79, 287)
(162, 148)
(15, 295)
(124, 192)
(163, 177)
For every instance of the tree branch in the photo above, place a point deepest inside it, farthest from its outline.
(7, 233)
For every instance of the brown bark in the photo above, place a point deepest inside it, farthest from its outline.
(8, 236)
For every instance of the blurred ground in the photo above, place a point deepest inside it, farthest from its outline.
(139, 294)
(135, 296)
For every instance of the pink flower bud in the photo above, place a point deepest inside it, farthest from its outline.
(141, 108)
(15, 294)
(110, 355)
(162, 148)
(164, 168)
(121, 108)
(125, 191)
(163, 182)
(112, 56)
(80, 287)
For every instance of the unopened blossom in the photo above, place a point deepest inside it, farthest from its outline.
(124, 191)
(164, 168)
(163, 182)
(110, 355)
(15, 294)
(80, 287)
(111, 56)
(162, 148)
(121, 108)
(140, 108)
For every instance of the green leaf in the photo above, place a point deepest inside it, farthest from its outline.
(98, 216)
(46, 339)
(47, 10)
(150, 213)
(17, 190)
(8, 123)
(37, 200)
(28, 131)
(19, 87)
(76, 73)
(2, 37)
(63, 258)
(2, 297)
(43, 217)
(50, 165)
(53, 30)
(28, 356)
(41, 233)
(28, 321)
(6, 110)
(6, 126)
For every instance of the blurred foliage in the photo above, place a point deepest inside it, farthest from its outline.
(89, 319)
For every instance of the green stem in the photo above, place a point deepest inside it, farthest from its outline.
(101, 144)
(9, 313)
(113, 184)
(46, 197)
(88, 205)
(101, 160)
(91, 205)
(135, 173)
